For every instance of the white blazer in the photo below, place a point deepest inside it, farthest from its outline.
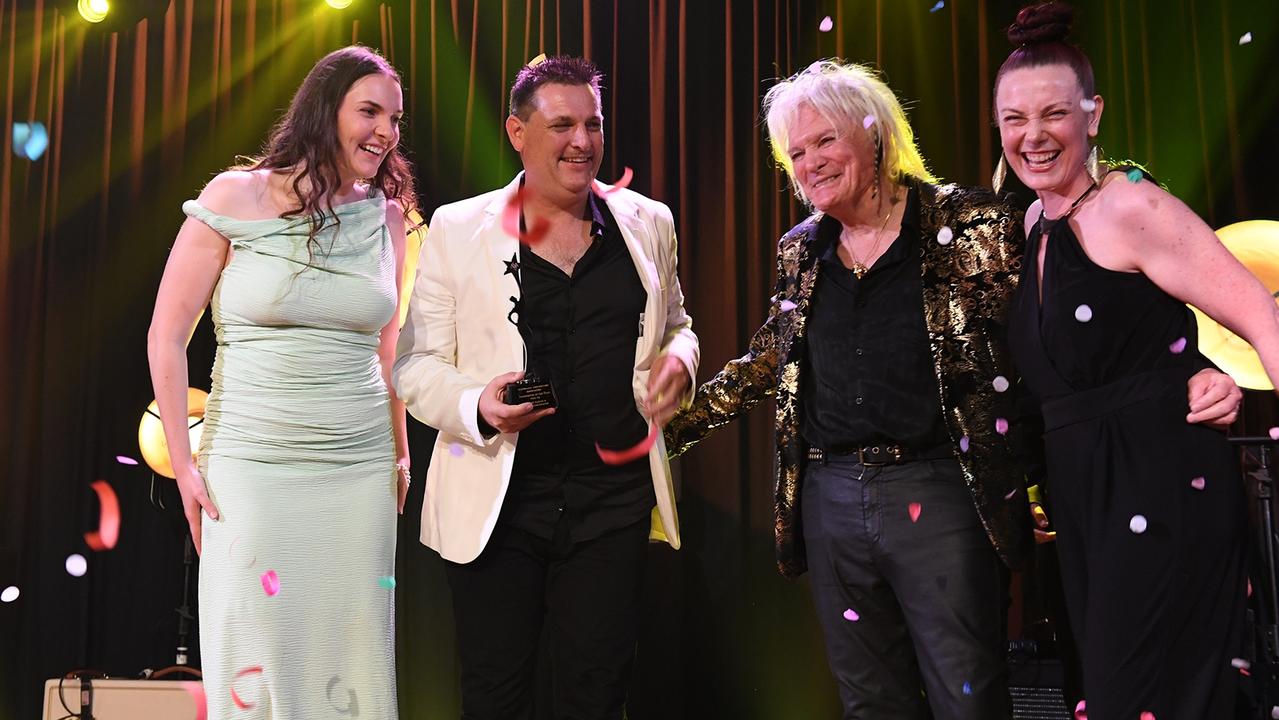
(457, 338)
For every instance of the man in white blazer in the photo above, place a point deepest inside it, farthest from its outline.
(535, 527)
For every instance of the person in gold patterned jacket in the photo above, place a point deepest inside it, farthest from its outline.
(900, 445)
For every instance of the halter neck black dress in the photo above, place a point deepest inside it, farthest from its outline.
(1149, 510)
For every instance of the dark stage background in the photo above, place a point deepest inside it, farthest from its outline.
(145, 107)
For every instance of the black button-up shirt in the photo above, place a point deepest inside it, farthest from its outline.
(581, 332)
(869, 375)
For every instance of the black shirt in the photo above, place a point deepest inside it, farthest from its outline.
(581, 332)
(869, 375)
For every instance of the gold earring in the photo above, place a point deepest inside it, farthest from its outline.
(1096, 170)
(1001, 174)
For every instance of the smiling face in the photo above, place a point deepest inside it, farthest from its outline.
(1044, 128)
(834, 169)
(562, 142)
(368, 125)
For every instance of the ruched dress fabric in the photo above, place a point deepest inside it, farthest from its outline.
(1149, 510)
(298, 454)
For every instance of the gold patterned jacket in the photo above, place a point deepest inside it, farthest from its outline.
(971, 248)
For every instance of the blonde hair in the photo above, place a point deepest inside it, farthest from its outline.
(845, 94)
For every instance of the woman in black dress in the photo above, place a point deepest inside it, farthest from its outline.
(1149, 509)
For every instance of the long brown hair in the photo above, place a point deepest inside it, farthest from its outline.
(305, 140)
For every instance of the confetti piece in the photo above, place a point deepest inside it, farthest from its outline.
(537, 59)
(1245, 38)
(108, 532)
(940, 4)
(1137, 524)
(255, 670)
(1087, 104)
(1178, 346)
(826, 25)
(1274, 433)
(1081, 711)
(1011, 494)
(968, 689)
(1197, 483)
(623, 181)
(10, 594)
(1274, 713)
(851, 615)
(1083, 313)
(196, 691)
(1147, 715)
(125, 460)
(77, 566)
(387, 582)
(868, 121)
(352, 705)
(511, 221)
(1000, 383)
(30, 140)
(1240, 664)
(786, 306)
(271, 583)
(963, 444)
(945, 235)
(1001, 426)
(455, 449)
(914, 509)
(621, 457)
(1134, 175)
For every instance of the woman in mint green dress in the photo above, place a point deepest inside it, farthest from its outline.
(304, 461)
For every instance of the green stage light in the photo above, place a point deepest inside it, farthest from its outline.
(95, 11)
(339, 4)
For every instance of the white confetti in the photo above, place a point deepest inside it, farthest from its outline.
(1240, 664)
(77, 566)
(786, 306)
(868, 121)
(10, 594)
(1245, 38)
(1000, 383)
(1083, 313)
(945, 235)
(1087, 104)
(1137, 524)
(826, 25)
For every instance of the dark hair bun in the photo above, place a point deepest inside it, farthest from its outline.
(1041, 23)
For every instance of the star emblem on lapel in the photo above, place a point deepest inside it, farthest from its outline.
(512, 265)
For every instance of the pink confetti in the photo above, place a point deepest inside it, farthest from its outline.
(196, 691)
(786, 306)
(511, 221)
(621, 457)
(108, 532)
(963, 444)
(125, 460)
(1178, 346)
(1081, 710)
(624, 181)
(1001, 426)
(914, 509)
(255, 670)
(1197, 483)
(271, 583)
(868, 121)
(455, 449)
(1012, 494)
(1147, 715)
(1274, 433)
(851, 615)
(827, 24)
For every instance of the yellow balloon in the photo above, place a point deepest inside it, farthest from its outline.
(151, 441)
(1256, 244)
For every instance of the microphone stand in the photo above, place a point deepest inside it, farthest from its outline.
(1265, 591)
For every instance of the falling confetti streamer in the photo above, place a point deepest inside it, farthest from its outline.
(1001, 426)
(235, 697)
(511, 221)
(1245, 38)
(622, 182)
(455, 449)
(1134, 175)
(851, 615)
(386, 582)
(1083, 313)
(10, 594)
(914, 509)
(826, 25)
(125, 460)
(963, 444)
(621, 457)
(76, 565)
(1178, 346)
(1198, 483)
(945, 235)
(1137, 524)
(108, 532)
(1087, 104)
(786, 306)
(1000, 383)
(868, 121)
(271, 583)
(940, 4)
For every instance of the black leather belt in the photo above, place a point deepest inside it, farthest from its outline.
(880, 454)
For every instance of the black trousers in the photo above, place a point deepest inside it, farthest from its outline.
(912, 610)
(586, 594)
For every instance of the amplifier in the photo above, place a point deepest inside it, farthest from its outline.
(123, 699)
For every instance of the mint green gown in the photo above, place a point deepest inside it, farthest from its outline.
(298, 454)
